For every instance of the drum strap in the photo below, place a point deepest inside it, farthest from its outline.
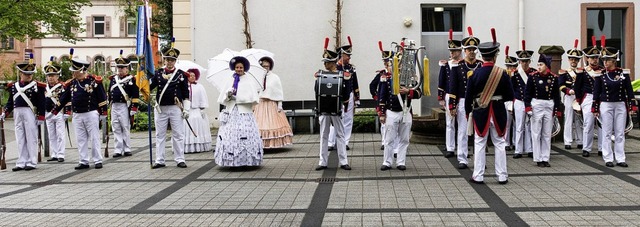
(490, 87)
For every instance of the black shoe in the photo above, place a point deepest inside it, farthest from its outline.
(345, 167)
(600, 153)
(332, 148)
(17, 168)
(517, 156)
(585, 153)
(449, 154)
(623, 164)
(609, 164)
(476, 182)
(546, 164)
(507, 148)
(348, 148)
(158, 166)
(117, 155)
(127, 153)
(579, 146)
(503, 182)
(401, 167)
(530, 155)
(382, 148)
(81, 166)
(60, 159)
(385, 168)
(52, 160)
(462, 166)
(567, 147)
(540, 164)
(320, 167)
(28, 168)
(98, 166)
(395, 155)
(182, 165)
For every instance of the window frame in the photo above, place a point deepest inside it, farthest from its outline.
(103, 22)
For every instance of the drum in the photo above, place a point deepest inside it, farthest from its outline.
(329, 92)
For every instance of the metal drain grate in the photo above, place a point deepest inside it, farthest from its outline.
(326, 180)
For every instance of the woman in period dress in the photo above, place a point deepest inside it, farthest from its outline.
(238, 141)
(272, 122)
(197, 116)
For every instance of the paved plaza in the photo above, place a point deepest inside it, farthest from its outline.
(287, 191)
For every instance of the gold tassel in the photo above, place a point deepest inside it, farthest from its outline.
(396, 76)
(426, 87)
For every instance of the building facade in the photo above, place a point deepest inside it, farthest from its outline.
(294, 31)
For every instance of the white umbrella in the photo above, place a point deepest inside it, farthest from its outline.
(185, 65)
(219, 71)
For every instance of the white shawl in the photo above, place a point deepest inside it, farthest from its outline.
(273, 89)
(198, 97)
(246, 96)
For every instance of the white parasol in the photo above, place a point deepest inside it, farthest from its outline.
(185, 65)
(219, 71)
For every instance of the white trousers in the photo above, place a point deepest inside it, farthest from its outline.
(26, 137)
(479, 159)
(450, 135)
(589, 124)
(614, 120)
(121, 127)
(171, 114)
(87, 127)
(463, 138)
(393, 143)
(325, 123)
(55, 130)
(572, 126)
(523, 128)
(541, 126)
(347, 123)
(397, 129)
(508, 135)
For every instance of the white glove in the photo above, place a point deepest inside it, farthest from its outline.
(39, 122)
(66, 116)
(2, 116)
(571, 92)
(186, 105)
(132, 112)
(280, 106)
(103, 117)
(529, 113)
(357, 102)
(202, 114)
(230, 92)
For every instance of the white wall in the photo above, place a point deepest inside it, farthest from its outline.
(295, 30)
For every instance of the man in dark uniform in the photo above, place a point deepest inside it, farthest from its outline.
(123, 98)
(444, 78)
(542, 100)
(26, 101)
(173, 90)
(330, 59)
(373, 86)
(583, 89)
(89, 102)
(353, 90)
(55, 123)
(567, 79)
(519, 82)
(457, 89)
(488, 88)
(397, 120)
(512, 66)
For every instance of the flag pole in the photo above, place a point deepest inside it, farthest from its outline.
(148, 34)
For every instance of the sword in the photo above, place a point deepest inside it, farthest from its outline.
(66, 124)
(179, 104)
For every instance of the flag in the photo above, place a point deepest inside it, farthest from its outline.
(144, 51)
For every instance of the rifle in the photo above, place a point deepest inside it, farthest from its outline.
(106, 125)
(3, 146)
(39, 144)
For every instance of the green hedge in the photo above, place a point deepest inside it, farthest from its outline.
(364, 123)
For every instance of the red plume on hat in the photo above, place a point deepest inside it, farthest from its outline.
(326, 42)
(524, 45)
(575, 44)
(506, 51)
(603, 40)
(493, 36)
(470, 31)
(450, 34)
(380, 45)
(349, 39)
(593, 40)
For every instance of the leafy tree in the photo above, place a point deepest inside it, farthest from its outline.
(161, 20)
(22, 18)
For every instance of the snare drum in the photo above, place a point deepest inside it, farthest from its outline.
(329, 92)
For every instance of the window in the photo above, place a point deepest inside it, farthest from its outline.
(616, 21)
(607, 22)
(99, 65)
(98, 26)
(132, 29)
(8, 44)
(441, 19)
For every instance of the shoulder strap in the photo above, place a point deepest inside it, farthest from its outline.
(490, 86)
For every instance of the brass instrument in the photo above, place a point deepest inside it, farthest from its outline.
(556, 127)
(407, 69)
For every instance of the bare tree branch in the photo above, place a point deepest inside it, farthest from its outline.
(247, 33)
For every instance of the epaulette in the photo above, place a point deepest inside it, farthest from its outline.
(10, 84)
(626, 71)
(97, 78)
(40, 84)
(111, 77)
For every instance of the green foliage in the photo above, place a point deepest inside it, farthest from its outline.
(141, 122)
(19, 19)
(366, 122)
(162, 20)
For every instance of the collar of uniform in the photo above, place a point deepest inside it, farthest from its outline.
(546, 73)
(167, 70)
(487, 64)
(25, 82)
(612, 70)
(122, 76)
(471, 63)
